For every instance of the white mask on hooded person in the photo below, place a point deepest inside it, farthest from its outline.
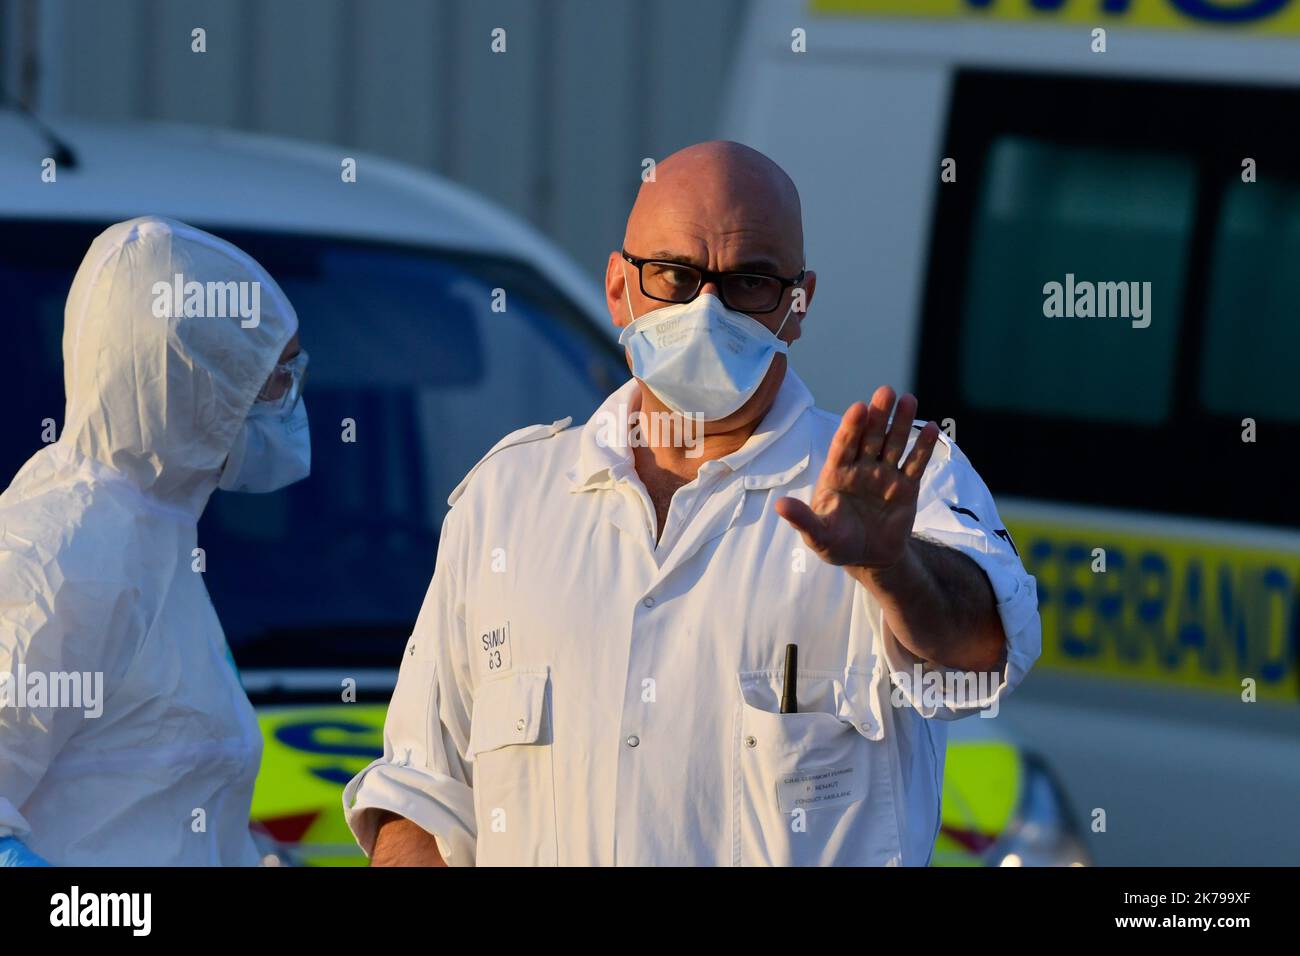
(272, 450)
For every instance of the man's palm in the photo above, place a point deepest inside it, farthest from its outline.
(864, 504)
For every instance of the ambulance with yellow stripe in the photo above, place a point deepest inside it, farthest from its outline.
(962, 163)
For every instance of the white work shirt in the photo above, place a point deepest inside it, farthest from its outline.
(577, 693)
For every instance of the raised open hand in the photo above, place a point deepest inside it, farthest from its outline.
(863, 507)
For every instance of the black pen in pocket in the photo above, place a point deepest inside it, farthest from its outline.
(789, 691)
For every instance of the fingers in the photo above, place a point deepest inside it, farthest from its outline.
(881, 440)
(804, 520)
(848, 437)
(919, 457)
(901, 430)
(873, 440)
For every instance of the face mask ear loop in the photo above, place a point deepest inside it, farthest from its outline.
(626, 297)
(788, 311)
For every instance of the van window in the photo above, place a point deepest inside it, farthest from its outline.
(1047, 213)
(1252, 342)
(1099, 180)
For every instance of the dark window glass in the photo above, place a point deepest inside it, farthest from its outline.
(1119, 180)
(1252, 335)
(404, 342)
(1046, 212)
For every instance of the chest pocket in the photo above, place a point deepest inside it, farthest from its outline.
(813, 787)
(510, 745)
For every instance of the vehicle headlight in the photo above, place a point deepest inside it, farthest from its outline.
(1042, 833)
(270, 851)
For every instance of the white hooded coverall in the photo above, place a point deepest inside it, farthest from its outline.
(97, 539)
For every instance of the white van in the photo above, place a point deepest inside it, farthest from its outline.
(395, 278)
(1152, 144)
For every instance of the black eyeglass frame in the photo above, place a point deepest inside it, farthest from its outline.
(705, 276)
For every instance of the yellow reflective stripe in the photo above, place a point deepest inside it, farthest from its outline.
(314, 744)
(1279, 17)
(981, 786)
(1182, 610)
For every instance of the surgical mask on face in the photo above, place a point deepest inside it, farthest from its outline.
(699, 357)
(271, 451)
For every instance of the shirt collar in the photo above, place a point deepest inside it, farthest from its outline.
(773, 454)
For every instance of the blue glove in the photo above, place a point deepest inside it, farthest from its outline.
(14, 852)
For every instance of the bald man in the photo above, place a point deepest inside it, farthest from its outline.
(715, 625)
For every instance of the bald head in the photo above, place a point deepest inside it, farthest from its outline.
(719, 207)
(725, 206)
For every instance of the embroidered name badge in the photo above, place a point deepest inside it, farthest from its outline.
(812, 789)
(495, 646)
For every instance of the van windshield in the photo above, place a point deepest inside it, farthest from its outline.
(421, 359)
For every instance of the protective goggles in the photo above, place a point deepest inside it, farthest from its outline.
(283, 386)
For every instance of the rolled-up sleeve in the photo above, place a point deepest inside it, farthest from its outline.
(955, 509)
(423, 775)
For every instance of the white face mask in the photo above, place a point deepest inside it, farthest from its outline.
(271, 451)
(699, 357)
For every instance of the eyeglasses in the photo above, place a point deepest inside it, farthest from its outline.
(283, 387)
(750, 292)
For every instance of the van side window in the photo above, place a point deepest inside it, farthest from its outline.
(1048, 213)
(1252, 329)
(1106, 300)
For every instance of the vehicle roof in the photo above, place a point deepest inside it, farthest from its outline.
(1202, 48)
(215, 177)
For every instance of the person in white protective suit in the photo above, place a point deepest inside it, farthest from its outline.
(168, 397)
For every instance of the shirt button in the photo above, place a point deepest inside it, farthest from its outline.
(519, 725)
(634, 741)
(648, 602)
(751, 742)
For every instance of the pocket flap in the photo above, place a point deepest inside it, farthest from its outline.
(508, 711)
